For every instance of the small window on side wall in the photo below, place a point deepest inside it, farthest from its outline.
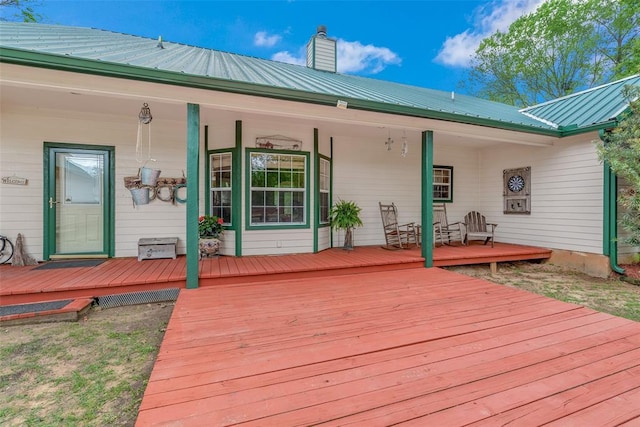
(443, 183)
(220, 185)
(325, 189)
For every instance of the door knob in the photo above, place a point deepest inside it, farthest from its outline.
(52, 202)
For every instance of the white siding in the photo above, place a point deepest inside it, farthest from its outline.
(21, 210)
(367, 173)
(272, 241)
(566, 178)
(324, 238)
(566, 195)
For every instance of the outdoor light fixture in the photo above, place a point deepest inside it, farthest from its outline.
(145, 114)
(341, 104)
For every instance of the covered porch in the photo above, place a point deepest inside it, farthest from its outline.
(21, 285)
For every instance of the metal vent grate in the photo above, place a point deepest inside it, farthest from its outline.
(138, 298)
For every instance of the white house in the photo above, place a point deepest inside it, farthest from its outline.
(270, 146)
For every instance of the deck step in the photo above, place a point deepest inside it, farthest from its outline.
(45, 312)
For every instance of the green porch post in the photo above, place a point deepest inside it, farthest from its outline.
(236, 195)
(316, 189)
(427, 198)
(193, 192)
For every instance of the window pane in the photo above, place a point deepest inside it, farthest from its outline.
(226, 161)
(272, 179)
(271, 214)
(285, 162)
(225, 179)
(277, 175)
(257, 198)
(220, 185)
(442, 183)
(272, 162)
(297, 180)
(324, 207)
(298, 199)
(298, 163)
(285, 179)
(257, 215)
(225, 213)
(285, 198)
(270, 198)
(297, 215)
(225, 198)
(257, 179)
(258, 162)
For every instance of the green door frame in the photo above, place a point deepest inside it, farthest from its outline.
(49, 182)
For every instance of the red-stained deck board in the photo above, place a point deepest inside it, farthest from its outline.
(572, 371)
(398, 360)
(375, 349)
(119, 275)
(621, 410)
(571, 401)
(379, 390)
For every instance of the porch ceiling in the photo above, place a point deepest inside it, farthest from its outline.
(56, 90)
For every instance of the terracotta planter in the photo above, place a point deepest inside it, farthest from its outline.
(209, 247)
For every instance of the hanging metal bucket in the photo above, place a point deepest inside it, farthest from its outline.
(140, 196)
(149, 176)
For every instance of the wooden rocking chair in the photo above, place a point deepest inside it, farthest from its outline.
(443, 231)
(398, 236)
(478, 228)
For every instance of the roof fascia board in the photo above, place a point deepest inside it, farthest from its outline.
(605, 125)
(108, 69)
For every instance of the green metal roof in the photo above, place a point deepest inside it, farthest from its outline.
(108, 53)
(587, 109)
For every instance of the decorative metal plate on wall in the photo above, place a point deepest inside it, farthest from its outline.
(517, 190)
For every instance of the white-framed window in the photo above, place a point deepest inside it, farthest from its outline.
(443, 183)
(325, 191)
(278, 188)
(220, 184)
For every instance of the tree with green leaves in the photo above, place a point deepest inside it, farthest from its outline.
(22, 10)
(562, 47)
(621, 150)
(617, 27)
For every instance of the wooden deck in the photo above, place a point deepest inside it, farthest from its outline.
(20, 285)
(415, 347)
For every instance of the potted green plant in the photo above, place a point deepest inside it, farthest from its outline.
(210, 229)
(345, 215)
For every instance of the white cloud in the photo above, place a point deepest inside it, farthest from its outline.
(494, 16)
(352, 57)
(287, 57)
(261, 38)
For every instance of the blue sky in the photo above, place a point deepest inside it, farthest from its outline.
(423, 42)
